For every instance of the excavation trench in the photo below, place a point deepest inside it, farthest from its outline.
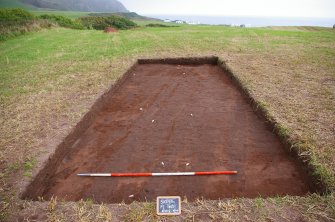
(171, 115)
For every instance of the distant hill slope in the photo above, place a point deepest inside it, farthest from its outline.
(128, 15)
(14, 4)
(79, 5)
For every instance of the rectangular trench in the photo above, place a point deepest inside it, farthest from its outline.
(171, 116)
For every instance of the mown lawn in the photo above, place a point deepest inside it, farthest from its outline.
(49, 79)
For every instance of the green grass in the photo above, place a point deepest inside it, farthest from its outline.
(25, 54)
(48, 79)
(146, 22)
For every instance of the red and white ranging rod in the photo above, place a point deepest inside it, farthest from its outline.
(156, 174)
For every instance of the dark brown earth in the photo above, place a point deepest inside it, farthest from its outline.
(175, 114)
(110, 30)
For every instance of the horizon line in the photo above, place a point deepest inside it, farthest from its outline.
(214, 15)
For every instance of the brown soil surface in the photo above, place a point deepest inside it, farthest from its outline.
(200, 118)
(110, 30)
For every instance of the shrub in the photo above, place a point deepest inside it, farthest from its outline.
(63, 21)
(15, 22)
(15, 15)
(101, 22)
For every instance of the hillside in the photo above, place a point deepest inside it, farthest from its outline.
(78, 5)
(128, 15)
(14, 4)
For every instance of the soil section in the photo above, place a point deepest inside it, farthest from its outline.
(170, 118)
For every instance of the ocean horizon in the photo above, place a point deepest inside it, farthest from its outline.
(249, 21)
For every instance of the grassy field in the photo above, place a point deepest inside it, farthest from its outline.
(49, 79)
(146, 22)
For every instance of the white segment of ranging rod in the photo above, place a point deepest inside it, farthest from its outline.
(94, 174)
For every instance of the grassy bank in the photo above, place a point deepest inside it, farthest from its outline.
(17, 21)
(69, 14)
(50, 78)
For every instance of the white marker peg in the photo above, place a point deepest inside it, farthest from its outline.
(141, 109)
(191, 114)
(187, 164)
(153, 121)
(162, 163)
(131, 196)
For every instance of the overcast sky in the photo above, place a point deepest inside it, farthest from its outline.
(284, 8)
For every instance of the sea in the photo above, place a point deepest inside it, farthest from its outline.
(249, 21)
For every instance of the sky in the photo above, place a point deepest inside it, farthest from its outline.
(274, 8)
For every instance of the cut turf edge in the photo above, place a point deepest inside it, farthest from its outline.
(322, 178)
(46, 171)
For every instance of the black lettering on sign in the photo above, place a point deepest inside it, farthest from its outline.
(168, 205)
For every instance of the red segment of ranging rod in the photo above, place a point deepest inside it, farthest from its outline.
(156, 174)
(216, 173)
